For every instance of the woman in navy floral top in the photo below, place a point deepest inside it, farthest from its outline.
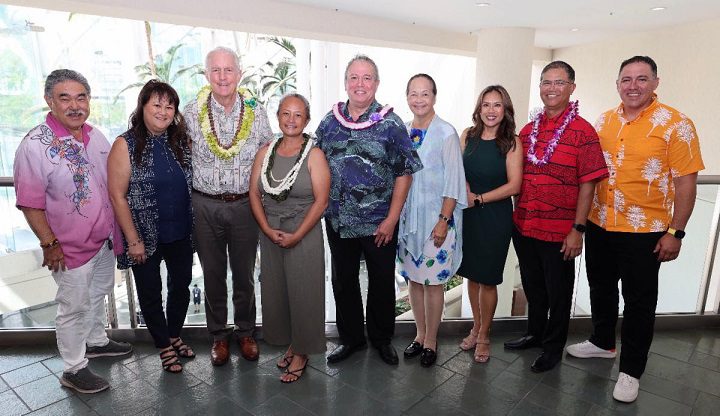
(149, 179)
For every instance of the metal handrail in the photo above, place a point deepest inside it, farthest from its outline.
(7, 181)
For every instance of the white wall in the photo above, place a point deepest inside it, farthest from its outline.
(688, 59)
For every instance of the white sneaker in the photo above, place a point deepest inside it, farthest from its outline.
(626, 388)
(587, 349)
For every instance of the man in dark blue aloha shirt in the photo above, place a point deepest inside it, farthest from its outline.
(371, 163)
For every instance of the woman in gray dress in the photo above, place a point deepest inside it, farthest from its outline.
(289, 190)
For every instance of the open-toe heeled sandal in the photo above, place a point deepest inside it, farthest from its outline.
(297, 373)
(482, 357)
(170, 361)
(182, 349)
(469, 341)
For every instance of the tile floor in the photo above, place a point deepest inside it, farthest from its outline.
(682, 378)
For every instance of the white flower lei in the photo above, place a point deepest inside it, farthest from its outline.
(286, 183)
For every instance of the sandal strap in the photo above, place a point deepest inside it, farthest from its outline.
(169, 358)
(182, 348)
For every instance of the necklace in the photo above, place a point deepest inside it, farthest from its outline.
(557, 133)
(285, 184)
(372, 120)
(207, 125)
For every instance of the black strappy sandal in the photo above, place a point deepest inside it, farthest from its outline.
(182, 349)
(297, 373)
(170, 361)
(286, 360)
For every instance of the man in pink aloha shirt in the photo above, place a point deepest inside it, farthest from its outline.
(61, 186)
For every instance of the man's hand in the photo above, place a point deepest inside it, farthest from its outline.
(54, 259)
(668, 248)
(384, 232)
(572, 245)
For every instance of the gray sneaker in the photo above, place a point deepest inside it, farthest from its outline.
(84, 381)
(111, 349)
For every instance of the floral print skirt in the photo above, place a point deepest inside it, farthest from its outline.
(434, 265)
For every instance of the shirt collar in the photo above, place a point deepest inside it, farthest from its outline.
(651, 107)
(374, 108)
(558, 118)
(219, 107)
(60, 131)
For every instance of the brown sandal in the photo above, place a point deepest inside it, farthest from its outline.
(481, 357)
(170, 360)
(182, 349)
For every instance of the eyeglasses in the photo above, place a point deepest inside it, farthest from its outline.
(366, 79)
(558, 83)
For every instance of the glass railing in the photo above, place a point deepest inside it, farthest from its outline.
(688, 285)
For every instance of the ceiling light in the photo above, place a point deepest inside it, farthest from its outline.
(482, 4)
(574, 29)
(658, 9)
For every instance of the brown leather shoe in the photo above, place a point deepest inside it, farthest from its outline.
(219, 353)
(248, 348)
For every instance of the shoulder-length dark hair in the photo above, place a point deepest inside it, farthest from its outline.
(505, 139)
(177, 132)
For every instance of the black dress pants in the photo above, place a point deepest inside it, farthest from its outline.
(178, 257)
(380, 310)
(629, 257)
(548, 282)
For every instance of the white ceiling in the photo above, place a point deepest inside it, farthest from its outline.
(558, 23)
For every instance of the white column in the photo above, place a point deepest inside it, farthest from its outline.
(505, 56)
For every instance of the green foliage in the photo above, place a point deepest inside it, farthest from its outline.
(453, 282)
(273, 79)
(18, 111)
(402, 305)
(165, 70)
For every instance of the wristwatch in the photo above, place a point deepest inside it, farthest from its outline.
(579, 227)
(679, 234)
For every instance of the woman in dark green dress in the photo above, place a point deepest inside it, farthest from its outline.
(492, 157)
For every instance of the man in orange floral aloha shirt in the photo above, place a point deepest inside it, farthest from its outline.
(638, 217)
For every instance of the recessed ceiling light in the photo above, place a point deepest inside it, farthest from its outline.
(658, 9)
(574, 29)
(482, 4)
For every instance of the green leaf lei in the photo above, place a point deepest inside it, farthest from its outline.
(247, 117)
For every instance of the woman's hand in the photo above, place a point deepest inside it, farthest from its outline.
(471, 198)
(439, 233)
(288, 240)
(137, 252)
(273, 235)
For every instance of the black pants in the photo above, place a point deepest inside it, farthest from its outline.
(178, 258)
(627, 256)
(548, 283)
(380, 263)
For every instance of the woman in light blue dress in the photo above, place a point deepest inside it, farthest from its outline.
(429, 244)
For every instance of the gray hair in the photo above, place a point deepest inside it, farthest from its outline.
(61, 75)
(299, 97)
(364, 58)
(226, 50)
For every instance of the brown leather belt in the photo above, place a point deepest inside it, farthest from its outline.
(226, 197)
